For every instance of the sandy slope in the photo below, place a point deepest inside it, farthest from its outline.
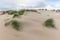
(32, 27)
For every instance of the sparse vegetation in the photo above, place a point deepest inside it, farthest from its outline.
(31, 10)
(14, 23)
(45, 9)
(57, 10)
(49, 23)
(53, 10)
(12, 12)
(20, 12)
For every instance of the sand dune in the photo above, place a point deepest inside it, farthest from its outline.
(32, 27)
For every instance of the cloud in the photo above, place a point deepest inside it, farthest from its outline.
(52, 4)
(30, 4)
(7, 4)
(19, 4)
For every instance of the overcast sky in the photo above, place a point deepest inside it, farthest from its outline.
(18, 4)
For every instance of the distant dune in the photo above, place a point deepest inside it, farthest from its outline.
(32, 26)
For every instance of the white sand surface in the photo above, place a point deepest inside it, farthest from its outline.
(32, 27)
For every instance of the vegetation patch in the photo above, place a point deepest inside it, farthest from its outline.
(57, 10)
(14, 23)
(11, 12)
(19, 12)
(49, 23)
(31, 10)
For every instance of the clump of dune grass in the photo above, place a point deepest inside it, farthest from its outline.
(19, 12)
(58, 10)
(53, 10)
(30, 10)
(15, 13)
(12, 12)
(14, 23)
(49, 23)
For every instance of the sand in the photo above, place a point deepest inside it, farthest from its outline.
(32, 27)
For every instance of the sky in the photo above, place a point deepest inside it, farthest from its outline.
(21, 4)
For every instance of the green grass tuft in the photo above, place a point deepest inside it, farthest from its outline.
(15, 24)
(12, 12)
(49, 23)
(30, 10)
(20, 12)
